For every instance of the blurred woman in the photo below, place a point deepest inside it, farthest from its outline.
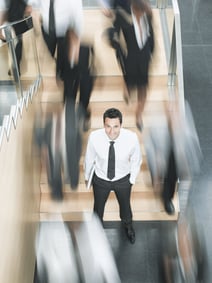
(133, 20)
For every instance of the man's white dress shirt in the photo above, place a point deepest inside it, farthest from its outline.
(127, 155)
(68, 14)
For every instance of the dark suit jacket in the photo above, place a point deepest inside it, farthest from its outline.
(135, 61)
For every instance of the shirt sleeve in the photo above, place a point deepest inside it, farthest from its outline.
(136, 161)
(90, 157)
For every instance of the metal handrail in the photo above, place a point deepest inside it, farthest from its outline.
(8, 25)
(176, 60)
(173, 50)
(7, 29)
(23, 98)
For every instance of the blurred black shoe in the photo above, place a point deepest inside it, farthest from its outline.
(169, 207)
(130, 232)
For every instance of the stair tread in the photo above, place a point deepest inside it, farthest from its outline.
(141, 202)
(143, 179)
(108, 216)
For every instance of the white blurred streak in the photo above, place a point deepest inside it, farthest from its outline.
(98, 263)
(177, 128)
(59, 260)
(55, 254)
(3, 5)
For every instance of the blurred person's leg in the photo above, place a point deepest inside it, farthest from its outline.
(141, 99)
(61, 58)
(70, 74)
(73, 142)
(71, 83)
(53, 156)
(86, 83)
(170, 184)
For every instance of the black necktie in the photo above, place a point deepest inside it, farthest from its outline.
(111, 161)
(51, 18)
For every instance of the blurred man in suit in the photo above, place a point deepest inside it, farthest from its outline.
(15, 11)
(62, 26)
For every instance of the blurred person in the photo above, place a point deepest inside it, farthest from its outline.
(62, 25)
(161, 162)
(55, 254)
(183, 255)
(133, 23)
(184, 152)
(95, 254)
(74, 254)
(60, 141)
(115, 154)
(80, 77)
(15, 11)
(173, 152)
(109, 5)
(57, 18)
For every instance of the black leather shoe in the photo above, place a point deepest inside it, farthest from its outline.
(169, 207)
(130, 234)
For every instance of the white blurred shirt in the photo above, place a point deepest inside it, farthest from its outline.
(3, 5)
(127, 155)
(68, 14)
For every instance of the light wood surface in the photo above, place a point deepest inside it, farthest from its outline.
(19, 200)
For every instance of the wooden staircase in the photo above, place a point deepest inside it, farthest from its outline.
(108, 93)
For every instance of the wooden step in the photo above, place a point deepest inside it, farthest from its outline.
(145, 206)
(142, 180)
(106, 88)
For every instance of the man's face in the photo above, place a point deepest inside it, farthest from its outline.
(112, 128)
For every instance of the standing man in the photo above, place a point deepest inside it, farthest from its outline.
(113, 172)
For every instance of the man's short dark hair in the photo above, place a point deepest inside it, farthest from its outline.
(112, 113)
